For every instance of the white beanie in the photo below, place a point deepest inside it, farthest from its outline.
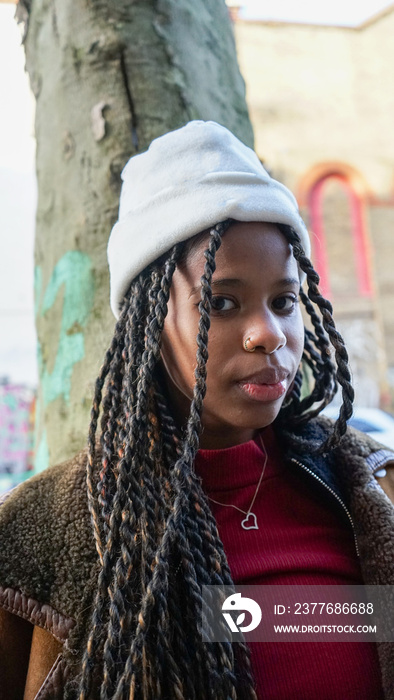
(187, 181)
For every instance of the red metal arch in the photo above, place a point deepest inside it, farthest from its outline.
(358, 229)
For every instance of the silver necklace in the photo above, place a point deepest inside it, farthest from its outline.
(250, 522)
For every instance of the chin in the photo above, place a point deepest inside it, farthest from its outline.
(261, 416)
(249, 421)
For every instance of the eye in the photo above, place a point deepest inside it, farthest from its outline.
(286, 303)
(219, 303)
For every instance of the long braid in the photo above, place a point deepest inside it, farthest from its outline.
(129, 331)
(92, 644)
(114, 441)
(129, 468)
(180, 472)
(155, 506)
(113, 352)
(327, 376)
(171, 445)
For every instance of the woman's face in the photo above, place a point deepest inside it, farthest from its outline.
(255, 290)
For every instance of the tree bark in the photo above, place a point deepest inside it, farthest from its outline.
(108, 76)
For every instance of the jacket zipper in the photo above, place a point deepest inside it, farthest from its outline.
(306, 469)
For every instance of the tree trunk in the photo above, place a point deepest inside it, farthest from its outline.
(108, 76)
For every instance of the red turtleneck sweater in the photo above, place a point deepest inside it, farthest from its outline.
(302, 539)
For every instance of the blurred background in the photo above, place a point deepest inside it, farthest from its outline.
(18, 194)
(320, 92)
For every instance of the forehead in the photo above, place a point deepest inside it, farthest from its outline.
(250, 247)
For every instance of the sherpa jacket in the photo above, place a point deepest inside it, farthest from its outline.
(49, 566)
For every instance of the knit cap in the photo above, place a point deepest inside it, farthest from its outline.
(187, 181)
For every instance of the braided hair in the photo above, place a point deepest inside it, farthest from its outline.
(156, 537)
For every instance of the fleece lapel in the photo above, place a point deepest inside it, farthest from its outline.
(373, 516)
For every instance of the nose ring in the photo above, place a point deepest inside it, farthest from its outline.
(248, 349)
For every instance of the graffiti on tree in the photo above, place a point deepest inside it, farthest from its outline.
(73, 278)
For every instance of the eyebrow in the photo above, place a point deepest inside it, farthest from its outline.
(234, 282)
(289, 282)
(217, 284)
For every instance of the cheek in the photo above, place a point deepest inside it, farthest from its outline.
(297, 341)
(178, 349)
(301, 334)
(300, 344)
(295, 333)
(224, 349)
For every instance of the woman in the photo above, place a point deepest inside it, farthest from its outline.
(212, 466)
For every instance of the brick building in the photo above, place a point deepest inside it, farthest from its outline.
(321, 100)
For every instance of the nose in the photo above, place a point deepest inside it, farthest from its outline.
(265, 334)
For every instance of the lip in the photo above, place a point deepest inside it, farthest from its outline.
(264, 392)
(267, 385)
(268, 375)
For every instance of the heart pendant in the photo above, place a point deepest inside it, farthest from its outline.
(252, 522)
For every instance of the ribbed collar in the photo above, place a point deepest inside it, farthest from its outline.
(238, 466)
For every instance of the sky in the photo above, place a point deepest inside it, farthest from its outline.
(344, 12)
(17, 180)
